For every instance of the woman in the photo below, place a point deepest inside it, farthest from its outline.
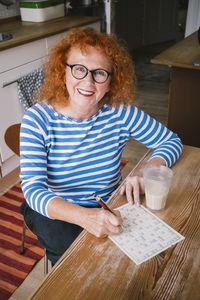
(72, 141)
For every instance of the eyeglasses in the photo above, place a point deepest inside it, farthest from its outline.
(79, 72)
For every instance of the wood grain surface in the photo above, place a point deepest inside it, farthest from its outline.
(25, 32)
(95, 268)
(182, 54)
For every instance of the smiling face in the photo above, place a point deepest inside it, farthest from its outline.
(85, 94)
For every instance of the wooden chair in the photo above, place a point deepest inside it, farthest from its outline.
(11, 138)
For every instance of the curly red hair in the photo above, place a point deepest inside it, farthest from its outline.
(123, 82)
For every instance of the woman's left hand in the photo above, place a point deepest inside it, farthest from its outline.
(133, 187)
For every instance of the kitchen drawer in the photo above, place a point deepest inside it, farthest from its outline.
(52, 40)
(17, 56)
(13, 74)
(96, 26)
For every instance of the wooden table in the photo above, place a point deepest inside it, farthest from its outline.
(184, 91)
(97, 269)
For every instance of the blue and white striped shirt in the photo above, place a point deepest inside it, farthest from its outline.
(62, 157)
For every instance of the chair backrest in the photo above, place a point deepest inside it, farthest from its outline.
(11, 138)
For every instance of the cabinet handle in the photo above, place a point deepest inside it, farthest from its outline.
(9, 83)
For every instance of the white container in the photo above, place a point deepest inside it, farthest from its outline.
(40, 11)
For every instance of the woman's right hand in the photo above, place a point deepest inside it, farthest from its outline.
(97, 221)
(101, 222)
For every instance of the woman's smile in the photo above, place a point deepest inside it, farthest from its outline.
(85, 93)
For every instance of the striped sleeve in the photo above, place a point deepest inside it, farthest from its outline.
(154, 135)
(33, 162)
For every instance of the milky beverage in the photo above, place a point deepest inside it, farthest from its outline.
(157, 180)
(156, 201)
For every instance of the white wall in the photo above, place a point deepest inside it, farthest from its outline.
(9, 11)
(193, 17)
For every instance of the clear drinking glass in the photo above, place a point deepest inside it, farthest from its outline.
(157, 182)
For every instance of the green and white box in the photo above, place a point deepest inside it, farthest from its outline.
(41, 10)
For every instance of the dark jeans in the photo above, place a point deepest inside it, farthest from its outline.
(54, 235)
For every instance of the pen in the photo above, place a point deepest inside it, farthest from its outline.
(102, 203)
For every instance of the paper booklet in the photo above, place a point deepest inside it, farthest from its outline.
(143, 235)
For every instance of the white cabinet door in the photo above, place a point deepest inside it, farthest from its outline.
(11, 110)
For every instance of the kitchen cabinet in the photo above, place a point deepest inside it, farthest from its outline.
(144, 22)
(14, 63)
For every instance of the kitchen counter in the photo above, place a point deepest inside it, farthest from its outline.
(182, 55)
(25, 32)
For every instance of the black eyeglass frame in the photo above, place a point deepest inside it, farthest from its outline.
(91, 71)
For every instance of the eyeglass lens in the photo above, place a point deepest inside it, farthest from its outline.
(99, 75)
